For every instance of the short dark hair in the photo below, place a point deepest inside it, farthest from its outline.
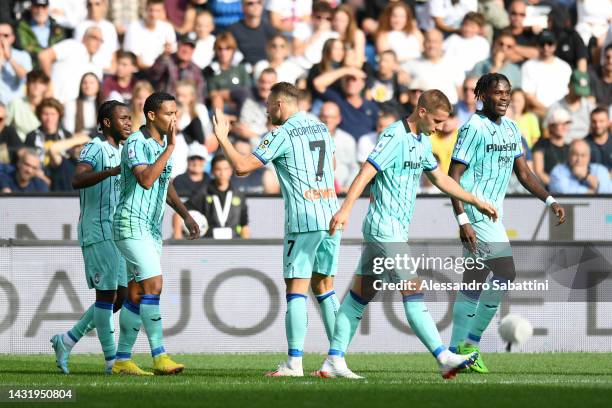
(50, 103)
(434, 99)
(121, 54)
(268, 70)
(322, 7)
(474, 17)
(154, 102)
(105, 111)
(486, 81)
(286, 90)
(600, 109)
(150, 2)
(217, 159)
(37, 75)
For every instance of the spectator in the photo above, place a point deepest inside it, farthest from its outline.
(435, 69)
(527, 122)
(252, 33)
(81, 114)
(182, 14)
(150, 37)
(579, 175)
(22, 111)
(415, 89)
(601, 79)
(120, 85)
(277, 58)
(253, 121)
(346, 147)
(204, 50)
(223, 205)
(68, 13)
(309, 39)
(526, 38)
(227, 82)
(72, 59)
(96, 12)
(500, 60)
(579, 105)
(123, 12)
(593, 20)
(288, 16)
(466, 107)
(600, 140)
(194, 179)
(398, 31)
(570, 47)
(448, 14)
(388, 82)
(541, 77)
(142, 90)
(167, 69)
(37, 31)
(61, 170)
(443, 141)
(547, 153)
(331, 61)
(225, 13)
(344, 23)
(9, 140)
(25, 178)
(254, 183)
(14, 65)
(367, 142)
(468, 47)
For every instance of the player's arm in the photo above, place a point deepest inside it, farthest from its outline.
(466, 232)
(84, 176)
(526, 177)
(243, 165)
(340, 219)
(174, 201)
(146, 174)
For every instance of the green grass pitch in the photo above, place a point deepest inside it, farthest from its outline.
(406, 380)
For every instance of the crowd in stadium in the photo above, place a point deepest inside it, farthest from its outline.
(360, 65)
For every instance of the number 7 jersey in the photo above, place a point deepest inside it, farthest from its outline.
(302, 152)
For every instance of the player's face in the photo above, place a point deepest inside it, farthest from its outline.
(121, 122)
(165, 115)
(274, 110)
(498, 98)
(431, 121)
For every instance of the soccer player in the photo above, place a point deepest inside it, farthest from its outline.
(146, 165)
(402, 154)
(302, 152)
(97, 176)
(487, 150)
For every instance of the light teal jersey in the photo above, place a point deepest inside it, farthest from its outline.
(140, 212)
(488, 150)
(98, 202)
(400, 158)
(302, 152)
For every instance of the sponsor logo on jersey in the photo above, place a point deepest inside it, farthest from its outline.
(320, 194)
(409, 164)
(495, 147)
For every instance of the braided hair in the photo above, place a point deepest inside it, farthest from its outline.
(486, 81)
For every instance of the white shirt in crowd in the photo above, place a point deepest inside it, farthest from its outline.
(452, 14)
(593, 18)
(446, 75)
(149, 44)
(181, 149)
(288, 71)
(346, 158)
(89, 114)
(204, 51)
(365, 145)
(68, 13)
(467, 52)
(406, 46)
(109, 34)
(291, 10)
(314, 51)
(547, 81)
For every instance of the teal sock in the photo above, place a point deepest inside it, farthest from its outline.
(103, 319)
(129, 323)
(464, 311)
(347, 321)
(421, 322)
(83, 326)
(329, 309)
(296, 323)
(151, 320)
(487, 307)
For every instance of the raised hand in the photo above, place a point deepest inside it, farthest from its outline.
(221, 125)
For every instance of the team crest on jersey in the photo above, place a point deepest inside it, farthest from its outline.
(97, 278)
(380, 145)
(264, 144)
(131, 153)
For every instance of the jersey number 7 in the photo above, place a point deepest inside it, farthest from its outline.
(321, 145)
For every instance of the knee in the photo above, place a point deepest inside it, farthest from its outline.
(321, 286)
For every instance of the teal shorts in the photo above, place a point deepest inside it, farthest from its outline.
(105, 268)
(308, 252)
(142, 256)
(492, 240)
(376, 258)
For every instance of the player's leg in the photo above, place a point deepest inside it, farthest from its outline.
(105, 326)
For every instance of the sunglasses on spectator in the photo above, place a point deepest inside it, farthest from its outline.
(252, 3)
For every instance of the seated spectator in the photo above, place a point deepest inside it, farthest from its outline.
(123, 12)
(398, 31)
(96, 17)
(468, 46)
(592, 20)
(600, 139)
(526, 38)
(142, 90)
(253, 120)
(443, 141)
(578, 104)
(183, 13)
(22, 111)
(415, 89)
(81, 114)
(346, 147)
(466, 107)
(289, 16)
(227, 83)
(62, 168)
(204, 50)
(388, 82)
(37, 30)
(68, 13)
(25, 178)
(448, 15)
(601, 78)
(309, 39)
(367, 142)
(526, 120)
(570, 47)
(167, 69)
(254, 182)
(225, 13)
(541, 77)
(9, 140)
(344, 23)
(252, 32)
(14, 65)
(304, 103)
(547, 153)
(579, 175)
(194, 179)
(500, 60)
(150, 37)
(120, 85)
(72, 59)
(331, 61)
(278, 59)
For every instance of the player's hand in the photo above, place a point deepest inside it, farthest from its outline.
(468, 237)
(338, 221)
(559, 212)
(192, 227)
(487, 209)
(171, 133)
(221, 125)
(115, 171)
